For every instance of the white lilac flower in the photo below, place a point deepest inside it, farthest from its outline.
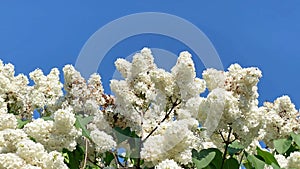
(281, 119)
(96, 89)
(294, 160)
(142, 62)
(103, 141)
(46, 90)
(7, 121)
(33, 153)
(214, 78)
(19, 152)
(185, 77)
(163, 81)
(14, 91)
(282, 161)
(124, 67)
(100, 122)
(58, 134)
(54, 160)
(176, 142)
(79, 92)
(221, 110)
(9, 138)
(241, 113)
(11, 161)
(168, 164)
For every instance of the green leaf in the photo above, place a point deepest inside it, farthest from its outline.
(108, 158)
(205, 161)
(124, 134)
(248, 165)
(234, 148)
(293, 148)
(22, 123)
(215, 163)
(296, 138)
(267, 156)
(74, 158)
(81, 122)
(255, 162)
(282, 145)
(231, 163)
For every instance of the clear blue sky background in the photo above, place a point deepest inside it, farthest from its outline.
(265, 34)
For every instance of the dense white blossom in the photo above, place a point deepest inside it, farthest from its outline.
(175, 142)
(163, 110)
(58, 134)
(103, 141)
(233, 101)
(11, 161)
(294, 160)
(18, 151)
(185, 77)
(168, 164)
(7, 121)
(47, 89)
(281, 119)
(79, 93)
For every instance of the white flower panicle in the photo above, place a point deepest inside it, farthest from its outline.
(14, 92)
(18, 151)
(214, 78)
(236, 104)
(47, 89)
(282, 119)
(8, 121)
(58, 134)
(124, 67)
(142, 62)
(185, 77)
(103, 141)
(11, 161)
(168, 164)
(174, 142)
(294, 160)
(9, 139)
(145, 97)
(79, 92)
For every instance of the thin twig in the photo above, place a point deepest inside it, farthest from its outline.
(166, 116)
(220, 132)
(117, 161)
(227, 142)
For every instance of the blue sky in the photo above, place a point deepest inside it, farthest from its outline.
(266, 34)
